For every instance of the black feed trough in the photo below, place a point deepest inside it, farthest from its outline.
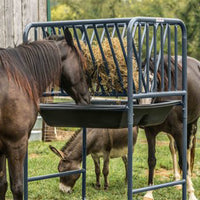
(99, 115)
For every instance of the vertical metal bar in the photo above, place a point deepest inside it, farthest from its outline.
(59, 30)
(139, 57)
(121, 42)
(44, 32)
(92, 37)
(76, 37)
(130, 109)
(35, 33)
(115, 60)
(102, 34)
(92, 55)
(176, 56)
(124, 31)
(147, 58)
(84, 155)
(103, 55)
(154, 56)
(184, 87)
(123, 50)
(53, 30)
(26, 176)
(113, 32)
(169, 58)
(162, 57)
(143, 35)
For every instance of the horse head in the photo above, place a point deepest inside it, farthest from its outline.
(73, 79)
(66, 164)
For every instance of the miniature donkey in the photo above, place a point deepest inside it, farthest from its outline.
(106, 143)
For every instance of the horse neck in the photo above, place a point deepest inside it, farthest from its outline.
(44, 62)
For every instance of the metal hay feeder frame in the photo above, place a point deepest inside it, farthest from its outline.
(139, 29)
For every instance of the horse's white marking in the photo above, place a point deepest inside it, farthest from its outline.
(190, 187)
(148, 195)
(147, 100)
(64, 188)
(177, 175)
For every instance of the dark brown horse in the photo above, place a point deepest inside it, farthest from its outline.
(25, 73)
(106, 143)
(173, 124)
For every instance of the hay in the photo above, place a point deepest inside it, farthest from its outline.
(109, 81)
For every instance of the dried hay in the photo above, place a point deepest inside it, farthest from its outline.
(109, 81)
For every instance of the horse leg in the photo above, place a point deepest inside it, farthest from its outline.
(151, 139)
(3, 181)
(106, 160)
(96, 160)
(125, 160)
(16, 156)
(174, 157)
(192, 129)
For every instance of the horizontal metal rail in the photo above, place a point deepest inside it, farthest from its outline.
(155, 187)
(36, 178)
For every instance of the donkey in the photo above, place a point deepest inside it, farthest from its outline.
(25, 73)
(106, 143)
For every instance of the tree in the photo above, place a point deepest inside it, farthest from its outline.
(188, 11)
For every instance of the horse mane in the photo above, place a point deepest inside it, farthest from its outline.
(78, 52)
(32, 66)
(172, 60)
(71, 139)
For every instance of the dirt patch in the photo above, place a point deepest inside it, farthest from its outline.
(33, 155)
(63, 135)
(162, 173)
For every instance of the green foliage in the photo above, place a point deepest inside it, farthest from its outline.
(188, 11)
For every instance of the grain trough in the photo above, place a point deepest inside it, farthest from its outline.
(104, 115)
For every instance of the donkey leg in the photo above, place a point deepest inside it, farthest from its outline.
(125, 160)
(3, 181)
(151, 139)
(106, 169)
(174, 158)
(16, 156)
(96, 160)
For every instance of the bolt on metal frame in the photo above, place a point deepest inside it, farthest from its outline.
(151, 35)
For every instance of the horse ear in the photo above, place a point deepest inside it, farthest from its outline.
(47, 34)
(57, 152)
(68, 37)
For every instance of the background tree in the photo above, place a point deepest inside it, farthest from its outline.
(188, 11)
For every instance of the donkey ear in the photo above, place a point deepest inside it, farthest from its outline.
(57, 152)
(68, 37)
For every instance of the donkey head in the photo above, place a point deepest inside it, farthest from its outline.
(66, 164)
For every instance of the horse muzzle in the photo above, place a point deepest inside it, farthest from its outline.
(65, 189)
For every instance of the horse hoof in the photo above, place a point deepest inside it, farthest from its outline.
(192, 197)
(147, 198)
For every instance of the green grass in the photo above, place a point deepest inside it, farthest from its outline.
(43, 161)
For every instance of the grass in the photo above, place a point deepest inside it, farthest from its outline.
(43, 161)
